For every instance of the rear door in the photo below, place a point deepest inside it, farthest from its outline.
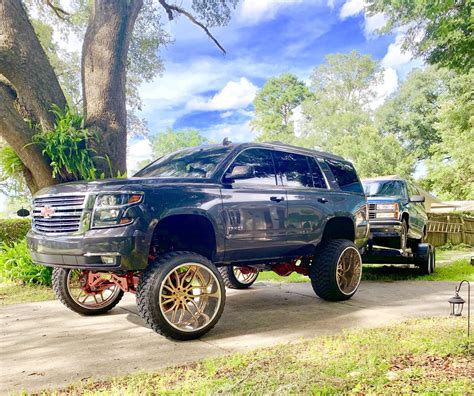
(309, 204)
(255, 210)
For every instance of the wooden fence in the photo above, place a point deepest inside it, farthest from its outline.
(451, 228)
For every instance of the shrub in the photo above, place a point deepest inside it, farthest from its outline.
(16, 265)
(12, 230)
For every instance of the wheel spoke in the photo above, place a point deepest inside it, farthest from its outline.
(189, 304)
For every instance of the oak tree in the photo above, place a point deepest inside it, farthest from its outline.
(30, 84)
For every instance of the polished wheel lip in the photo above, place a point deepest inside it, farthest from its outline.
(114, 289)
(245, 279)
(181, 294)
(357, 271)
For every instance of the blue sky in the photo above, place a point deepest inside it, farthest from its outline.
(203, 89)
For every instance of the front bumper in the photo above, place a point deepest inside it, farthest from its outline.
(385, 229)
(126, 245)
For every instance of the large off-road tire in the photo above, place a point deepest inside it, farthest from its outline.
(237, 278)
(181, 295)
(67, 284)
(336, 270)
(427, 263)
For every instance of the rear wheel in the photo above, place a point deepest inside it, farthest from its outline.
(428, 262)
(73, 289)
(336, 270)
(181, 295)
(238, 277)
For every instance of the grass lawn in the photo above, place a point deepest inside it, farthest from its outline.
(451, 265)
(11, 293)
(428, 355)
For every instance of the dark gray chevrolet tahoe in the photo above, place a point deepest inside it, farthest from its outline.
(196, 220)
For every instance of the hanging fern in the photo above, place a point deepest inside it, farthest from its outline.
(67, 146)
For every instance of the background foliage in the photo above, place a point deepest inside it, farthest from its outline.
(16, 265)
(12, 230)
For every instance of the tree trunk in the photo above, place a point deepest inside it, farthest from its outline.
(24, 63)
(34, 89)
(18, 135)
(104, 57)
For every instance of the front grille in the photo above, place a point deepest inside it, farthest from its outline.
(372, 210)
(58, 213)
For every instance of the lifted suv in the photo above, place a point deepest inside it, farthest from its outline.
(199, 219)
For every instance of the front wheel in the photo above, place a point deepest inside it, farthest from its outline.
(336, 270)
(73, 289)
(238, 277)
(181, 295)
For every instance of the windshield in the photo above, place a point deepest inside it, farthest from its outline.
(393, 188)
(190, 163)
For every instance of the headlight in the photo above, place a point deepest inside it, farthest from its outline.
(387, 211)
(391, 206)
(111, 209)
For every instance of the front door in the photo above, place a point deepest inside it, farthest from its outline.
(254, 209)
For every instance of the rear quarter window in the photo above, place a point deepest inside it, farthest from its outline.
(345, 175)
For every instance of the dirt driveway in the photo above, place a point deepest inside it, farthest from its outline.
(44, 344)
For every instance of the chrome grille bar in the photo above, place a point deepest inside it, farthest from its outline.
(58, 213)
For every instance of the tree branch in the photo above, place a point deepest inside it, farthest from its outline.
(60, 13)
(169, 8)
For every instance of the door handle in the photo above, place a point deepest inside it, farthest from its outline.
(322, 200)
(277, 199)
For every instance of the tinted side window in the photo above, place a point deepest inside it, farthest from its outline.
(345, 176)
(294, 169)
(318, 178)
(262, 163)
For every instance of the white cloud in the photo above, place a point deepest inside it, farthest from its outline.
(138, 151)
(387, 86)
(298, 120)
(395, 55)
(351, 8)
(373, 23)
(235, 95)
(237, 133)
(254, 11)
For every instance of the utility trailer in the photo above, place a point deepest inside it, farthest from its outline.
(424, 257)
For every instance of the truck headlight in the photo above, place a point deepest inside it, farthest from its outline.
(387, 211)
(392, 206)
(111, 209)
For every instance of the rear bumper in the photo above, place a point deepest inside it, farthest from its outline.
(125, 246)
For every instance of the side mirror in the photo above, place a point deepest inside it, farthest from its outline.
(23, 212)
(240, 172)
(417, 198)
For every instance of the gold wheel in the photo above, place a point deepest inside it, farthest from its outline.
(349, 270)
(190, 297)
(245, 277)
(76, 284)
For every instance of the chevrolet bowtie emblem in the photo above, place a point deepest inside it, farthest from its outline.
(47, 211)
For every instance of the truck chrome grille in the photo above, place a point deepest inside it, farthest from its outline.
(372, 210)
(58, 213)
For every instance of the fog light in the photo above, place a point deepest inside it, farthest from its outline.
(109, 260)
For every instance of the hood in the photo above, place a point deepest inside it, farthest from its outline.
(105, 185)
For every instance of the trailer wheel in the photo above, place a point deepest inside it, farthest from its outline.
(71, 288)
(336, 270)
(238, 278)
(181, 295)
(428, 262)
